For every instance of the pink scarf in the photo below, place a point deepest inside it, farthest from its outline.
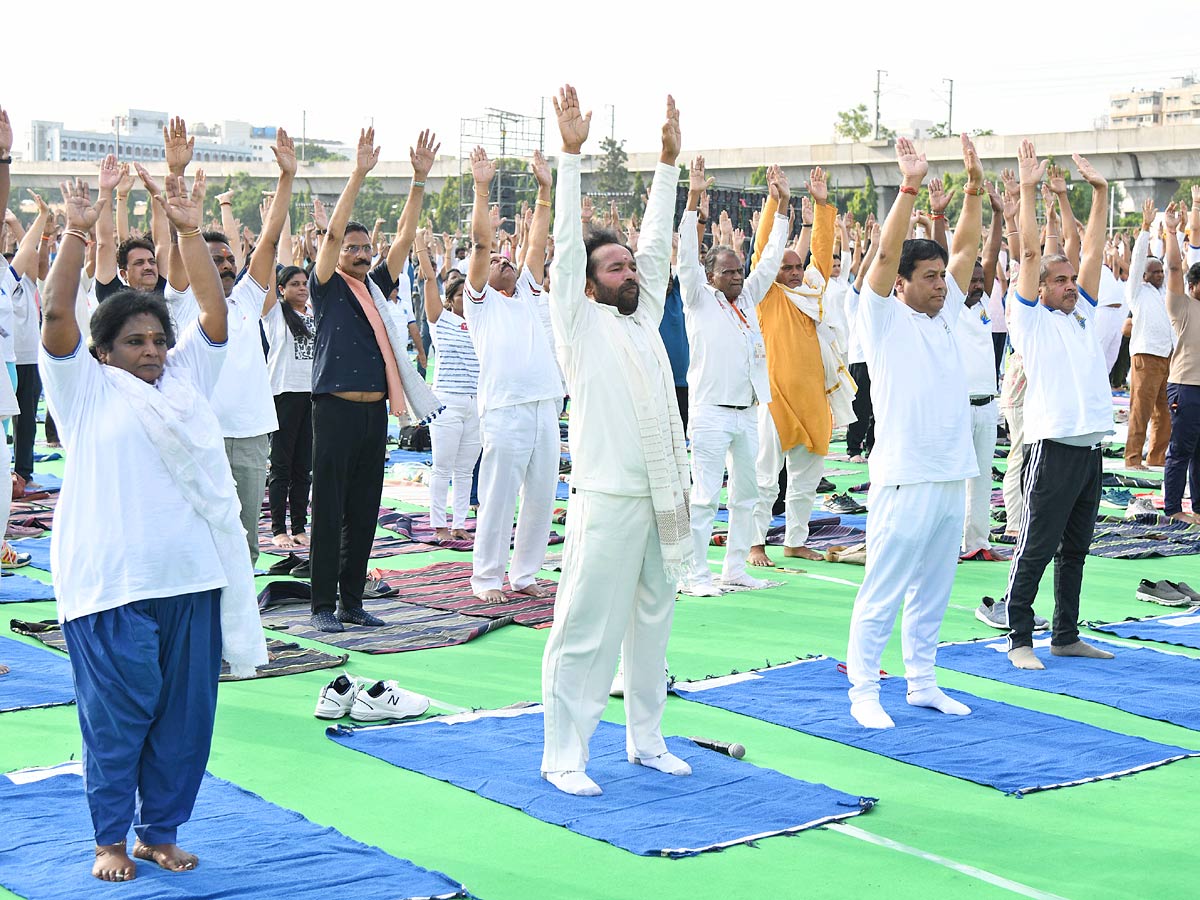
(394, 389)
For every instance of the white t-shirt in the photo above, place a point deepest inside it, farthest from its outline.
(1068, 394)
(289, 361)
(402, 312)
(516, 362)
(973, 331)
(242, 399)
(8, 325)
(918, 391)
(122, 530)
(26, 322)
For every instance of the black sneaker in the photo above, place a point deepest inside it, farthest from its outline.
(825, 486)
(359, 617)
(285, 565)
(1161, 592)
(997, 475)
(304, 570)
(326, 621)
(843, 503)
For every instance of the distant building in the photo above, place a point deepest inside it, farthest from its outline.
(1178, 104)
(137, 136)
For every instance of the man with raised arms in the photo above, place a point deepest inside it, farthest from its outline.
(923, 450)
(627, 523)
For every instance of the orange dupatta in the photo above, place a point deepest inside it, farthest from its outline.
(392, 371)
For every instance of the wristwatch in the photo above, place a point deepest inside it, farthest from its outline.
(5, 160)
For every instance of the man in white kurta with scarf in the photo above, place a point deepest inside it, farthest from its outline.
(627, 522)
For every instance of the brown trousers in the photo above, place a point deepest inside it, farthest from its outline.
(1148, 404)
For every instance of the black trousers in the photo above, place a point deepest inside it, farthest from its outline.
(349, 444)
(29, 391)
(860, 435)
(1061, 484)
(290, 476)
(681, 395)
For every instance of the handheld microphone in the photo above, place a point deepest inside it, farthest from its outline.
(737, 751)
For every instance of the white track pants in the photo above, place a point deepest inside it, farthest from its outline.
(977, 529)
(912, 552)
(520, 454)
(721, 437)
(1014, 499)
(803, 475)
(455, 437)
(613, 589)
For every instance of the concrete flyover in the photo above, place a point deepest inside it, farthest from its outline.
(1148, 161)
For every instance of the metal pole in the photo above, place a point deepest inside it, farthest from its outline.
(950, 111)
(879, 73)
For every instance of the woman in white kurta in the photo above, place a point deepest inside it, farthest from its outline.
(151, 567)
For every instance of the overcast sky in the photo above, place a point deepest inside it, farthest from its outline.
(777, 76)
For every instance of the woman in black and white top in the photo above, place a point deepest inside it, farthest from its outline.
(455, 433)
(288, 322)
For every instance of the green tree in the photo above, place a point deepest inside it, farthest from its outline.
(639, 191)
(758, 178)
(852, 124)
(310, 152)
(613, 176)
(940, 130)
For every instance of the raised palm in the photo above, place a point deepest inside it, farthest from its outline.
(285, 152)
(818, 186)
(1088, 172)
(1058, 180)
(125, 183)
(483, 170)
(367, 154)
(110, 175)
(573, 125)
(77, 203)
(913, 165)
(6, 135)
(184, 209)
(697, 180)
(177, 146)
(423, 155)
(541, 169)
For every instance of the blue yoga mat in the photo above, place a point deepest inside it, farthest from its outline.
(1011, 749)
(47, 457)
(247, 848)
(1181, 629)
(562, 491)
(37, 677)
(424, 457)
(497, 754)
(47, 481)
(38, 549)
(1156, 684)
(16, 588)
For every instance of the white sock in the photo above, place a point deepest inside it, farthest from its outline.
(1024, 658)
(934, 698)
(744, 580)
(664, 762)
(576, 783)
(869, 714)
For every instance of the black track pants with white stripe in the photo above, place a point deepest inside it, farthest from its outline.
(1061, 484)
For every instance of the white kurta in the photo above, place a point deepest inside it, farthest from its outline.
(614, 587)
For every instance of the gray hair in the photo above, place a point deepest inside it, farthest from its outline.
(713, 255)
(1047, 261)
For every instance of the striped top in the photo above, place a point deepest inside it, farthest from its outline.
(456, 368)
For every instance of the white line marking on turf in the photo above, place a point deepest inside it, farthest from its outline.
(982, 875)
(853, 584)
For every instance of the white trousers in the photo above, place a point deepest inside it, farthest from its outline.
(456, 442)
(611, 591)
(912, 552)
(1014, 500)
(803, 475)
(721, 438)
(5, 480)
(520, 455)
(977, 529)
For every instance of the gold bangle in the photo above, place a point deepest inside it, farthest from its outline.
(183, 234)
(545, 203)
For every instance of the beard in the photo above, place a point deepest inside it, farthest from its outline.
(624, 298)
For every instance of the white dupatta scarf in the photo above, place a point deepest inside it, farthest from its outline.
(184, 430)
(839, 386)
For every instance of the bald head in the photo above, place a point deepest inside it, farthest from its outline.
(791, 270)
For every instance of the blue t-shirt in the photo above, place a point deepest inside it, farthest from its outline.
(674, 334)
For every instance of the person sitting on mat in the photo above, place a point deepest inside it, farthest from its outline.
(150, 602)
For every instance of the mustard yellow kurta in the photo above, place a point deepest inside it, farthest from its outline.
(799, 406)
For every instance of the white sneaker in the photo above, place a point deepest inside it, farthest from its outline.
(337, 697)
(386, 700)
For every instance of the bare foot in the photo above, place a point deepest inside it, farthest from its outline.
(284, 541)
(1190, 518)
(113, 863)
(758, 556)
(169, 856)
(856, 458)
(491, 596)
(3, 670)
(441, 534)
(301, 539)
(802, 553)
(1138, 468)
(460, 534)
(534, 590)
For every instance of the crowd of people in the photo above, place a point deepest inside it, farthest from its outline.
(217, 364)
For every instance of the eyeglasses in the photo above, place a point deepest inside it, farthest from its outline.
(355, 249)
